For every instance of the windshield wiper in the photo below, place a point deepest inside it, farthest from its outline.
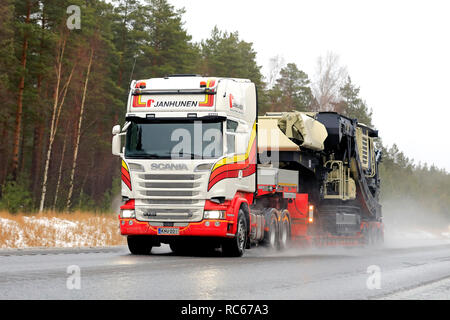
(191, 156)
(167, 155)
(146, 156)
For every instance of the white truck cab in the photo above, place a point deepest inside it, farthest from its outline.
(189, 140)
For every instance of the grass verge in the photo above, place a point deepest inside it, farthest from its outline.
(59, 229)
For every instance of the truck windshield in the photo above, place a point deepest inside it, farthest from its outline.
(174, 139)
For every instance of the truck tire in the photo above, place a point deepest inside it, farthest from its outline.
(271, 237)
(235, 247)
(139, 245)
(285, 228)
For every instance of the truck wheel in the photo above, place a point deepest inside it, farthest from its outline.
(235, 247)
(139, 245)
(271, 237)
(284, 233)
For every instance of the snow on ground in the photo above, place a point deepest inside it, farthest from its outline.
(32, 231)
(12, 227)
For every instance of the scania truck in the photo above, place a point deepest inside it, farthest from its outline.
(200, 168)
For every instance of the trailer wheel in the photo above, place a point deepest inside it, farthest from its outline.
(235, 247)
(373, 236)
(139, 245)
(381, 236)
(365, 236)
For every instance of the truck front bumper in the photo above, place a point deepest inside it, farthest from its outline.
(204, 228)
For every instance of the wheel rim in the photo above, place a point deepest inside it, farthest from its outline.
(272, 234)
(241, 235)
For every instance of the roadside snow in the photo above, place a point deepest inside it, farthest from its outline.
(12, 227)
(57, 232)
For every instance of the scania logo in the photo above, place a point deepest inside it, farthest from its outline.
(169, 166)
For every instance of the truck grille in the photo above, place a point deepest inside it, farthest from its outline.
(169, 201)
(172, 177)
(171, 185)
(173, 214)
(170, 197)
(169, 194)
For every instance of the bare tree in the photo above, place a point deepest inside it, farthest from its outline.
(276, 63)
(77, 141)
(60, 172)
(330, 77)
(58, 101)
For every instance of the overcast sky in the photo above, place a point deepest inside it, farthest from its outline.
(398, 52)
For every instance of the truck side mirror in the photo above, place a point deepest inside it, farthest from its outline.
(116, 129)
(116, 145)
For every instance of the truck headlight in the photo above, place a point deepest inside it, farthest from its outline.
(214, 214)
(127, 213)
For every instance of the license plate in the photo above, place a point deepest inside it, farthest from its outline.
(168, 231)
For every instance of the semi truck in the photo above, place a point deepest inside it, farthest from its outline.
(200, 168)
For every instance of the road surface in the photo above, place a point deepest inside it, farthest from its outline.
(333, 273)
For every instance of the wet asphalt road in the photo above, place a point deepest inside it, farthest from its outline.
(332, 273)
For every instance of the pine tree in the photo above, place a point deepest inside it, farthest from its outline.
(128, 35)
(292, 90)
(27, 29)
(224, 54)
(7, 63)
(353, 106)
(168, 48)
